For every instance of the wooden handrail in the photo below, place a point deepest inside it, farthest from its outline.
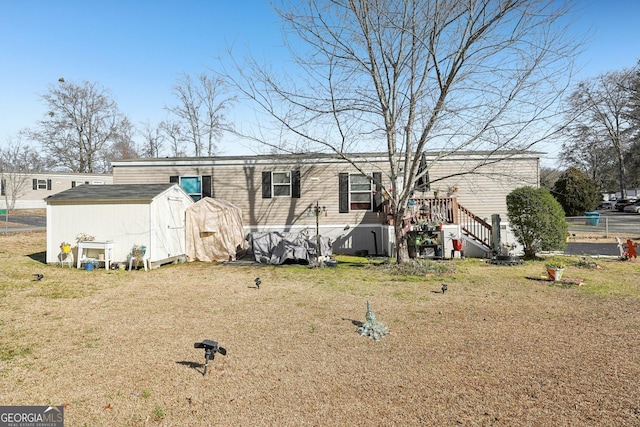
(447, 210)
(475, 226)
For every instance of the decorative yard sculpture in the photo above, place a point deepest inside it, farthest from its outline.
(372, 328)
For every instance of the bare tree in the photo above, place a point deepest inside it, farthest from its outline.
(586, 150)
(153, 139)
(412, 76)
(201, 110)
(17, 162)
(633, 156)
(174, 133)
(82, 122)
(601, 110)
(548, 177)
(123, 146)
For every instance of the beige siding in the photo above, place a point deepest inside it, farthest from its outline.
(34, 199)
(239, 181)
(242, 186)
(483, 191)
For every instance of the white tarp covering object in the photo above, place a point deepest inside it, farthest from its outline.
(214, 231)
(277, 248)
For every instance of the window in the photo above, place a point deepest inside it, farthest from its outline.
(356, 192)
(41, 184)
(359, 193)
(195, 186)
(281, 184)
(192, 185)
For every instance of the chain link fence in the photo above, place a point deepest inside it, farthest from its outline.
(609, 225)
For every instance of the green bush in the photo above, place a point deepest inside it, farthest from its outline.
(537, 220)
(576, 192)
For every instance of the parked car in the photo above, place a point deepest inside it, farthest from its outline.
(621, 203)
(606, 205)
(633, 208)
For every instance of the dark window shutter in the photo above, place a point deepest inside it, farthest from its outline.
(377, 197)
(423, 184)
(266, 185)
(295, 184)
(343, 192)
(73, 184)
(48, 184)
(206, 186)
(174, 179)
(35, 184)
(3, 182)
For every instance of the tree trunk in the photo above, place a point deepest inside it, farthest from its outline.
(623, 190)
(402, 249)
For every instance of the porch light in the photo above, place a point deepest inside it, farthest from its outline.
(317, 211)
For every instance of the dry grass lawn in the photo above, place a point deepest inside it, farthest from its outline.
(502, 347)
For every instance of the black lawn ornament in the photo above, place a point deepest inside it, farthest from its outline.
(210, 350)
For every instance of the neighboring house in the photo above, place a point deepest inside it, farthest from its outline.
(37, 187)
(280, 192)
(124, 215)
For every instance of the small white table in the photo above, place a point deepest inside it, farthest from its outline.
(106, 247)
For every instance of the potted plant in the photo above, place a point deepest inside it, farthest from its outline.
(138, 252)
(84, 237)
(555, 268)
(65, 247)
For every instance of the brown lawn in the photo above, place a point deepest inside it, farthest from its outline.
(502, 347)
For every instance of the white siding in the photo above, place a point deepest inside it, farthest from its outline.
(166, 237)
(158, 225)
(125, 225)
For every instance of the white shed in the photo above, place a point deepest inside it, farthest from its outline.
(151, 215)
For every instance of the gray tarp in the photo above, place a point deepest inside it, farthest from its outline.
(277, 248)
(214, 231)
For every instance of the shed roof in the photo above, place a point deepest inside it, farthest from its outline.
(110, 193)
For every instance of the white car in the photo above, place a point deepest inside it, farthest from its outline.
(633, 208)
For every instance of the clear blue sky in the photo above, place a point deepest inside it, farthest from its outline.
(137, 48)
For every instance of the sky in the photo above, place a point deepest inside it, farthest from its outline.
(138, 49)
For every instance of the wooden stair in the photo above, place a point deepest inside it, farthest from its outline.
(447, 210)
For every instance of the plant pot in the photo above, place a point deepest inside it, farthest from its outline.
(555, 274)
